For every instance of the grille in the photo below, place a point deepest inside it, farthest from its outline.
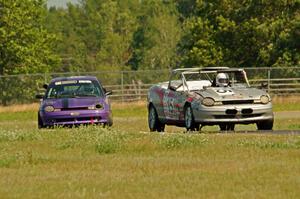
(77, 119)
(74, 109)
(238, 102)
(236, 116)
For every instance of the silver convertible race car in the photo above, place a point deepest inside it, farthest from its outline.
(195, 97)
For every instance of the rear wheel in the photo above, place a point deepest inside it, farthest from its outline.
(265, 125)
(189, 120)
(153, 121)
(227, 127)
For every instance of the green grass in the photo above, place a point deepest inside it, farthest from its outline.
(126, 161)
(95, 162)
(286, 107)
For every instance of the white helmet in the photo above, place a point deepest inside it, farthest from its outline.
(222, 79)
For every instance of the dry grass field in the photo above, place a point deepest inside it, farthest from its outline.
(126, 161)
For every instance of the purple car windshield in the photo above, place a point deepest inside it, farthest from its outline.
(74, 89)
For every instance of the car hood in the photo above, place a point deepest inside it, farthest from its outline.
(73, 102)
(232, 93)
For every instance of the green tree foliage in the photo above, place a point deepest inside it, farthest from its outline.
(156, 39)
(95, 34)
(242, 33)
(25, 45)
(116, 34)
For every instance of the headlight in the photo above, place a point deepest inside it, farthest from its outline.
(49, 108)
(99, 106)
(264, 99)
(208, 101)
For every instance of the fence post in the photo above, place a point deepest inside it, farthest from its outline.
(269, 79)
(122, 85)
(139, 89)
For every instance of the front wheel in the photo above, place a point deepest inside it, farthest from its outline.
(265, 125)
(153, 121)
(189, 120)
(40, 122)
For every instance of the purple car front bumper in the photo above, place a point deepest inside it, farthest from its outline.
(76, 117)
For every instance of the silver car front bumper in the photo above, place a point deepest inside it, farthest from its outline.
(245, 113)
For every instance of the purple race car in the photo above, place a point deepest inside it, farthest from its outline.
(74, 101)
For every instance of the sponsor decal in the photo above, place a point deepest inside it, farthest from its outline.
(85, 81)
(66, 82)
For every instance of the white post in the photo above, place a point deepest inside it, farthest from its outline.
(269, 79)
(122, 85)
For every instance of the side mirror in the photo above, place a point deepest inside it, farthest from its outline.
(39, 96)
(108, 93)
(264, 85)
(45, 86)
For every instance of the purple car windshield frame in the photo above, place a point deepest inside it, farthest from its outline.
(74, 88)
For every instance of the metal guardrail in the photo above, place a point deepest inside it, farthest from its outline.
(134, 85)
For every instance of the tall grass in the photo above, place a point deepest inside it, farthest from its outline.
(93, 162)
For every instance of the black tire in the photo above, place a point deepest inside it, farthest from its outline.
(223, 127)
(189, 120)
(40, 122)
(153, 121)
(265, 125)
(227, 127)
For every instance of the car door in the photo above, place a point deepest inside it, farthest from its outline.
(173, 98)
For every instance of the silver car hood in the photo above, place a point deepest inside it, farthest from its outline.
(231, 93)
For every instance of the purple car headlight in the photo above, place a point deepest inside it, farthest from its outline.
(99, 106)
(49, 109)
(96, 107)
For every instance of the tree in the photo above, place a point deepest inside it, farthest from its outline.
(156, 39)
(198, 47)
(119, 27)
(25, 45)
(241, 33)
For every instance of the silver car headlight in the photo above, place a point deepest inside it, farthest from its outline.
(264, 99)
(49, 108)
(208, 101)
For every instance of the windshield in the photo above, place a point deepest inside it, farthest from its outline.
(237, 79)
(202, 79)
(74, 88)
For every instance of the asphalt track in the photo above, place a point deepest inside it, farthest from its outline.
(276, 132)
(278, 115)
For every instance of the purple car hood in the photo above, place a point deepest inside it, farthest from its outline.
(73, 102)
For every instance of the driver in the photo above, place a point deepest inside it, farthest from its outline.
(222, 80)
(89, 89)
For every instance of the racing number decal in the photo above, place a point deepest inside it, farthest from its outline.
(170, 109)
(166, 104)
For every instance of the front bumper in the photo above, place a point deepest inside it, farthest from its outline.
(245, 113)
(76, 117)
